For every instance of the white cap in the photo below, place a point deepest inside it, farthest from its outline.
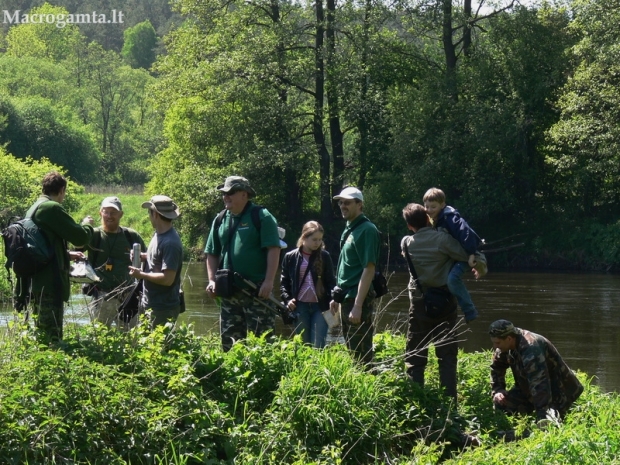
(350, 193)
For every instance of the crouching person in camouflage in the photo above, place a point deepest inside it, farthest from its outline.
(543, 382)
(243, 239)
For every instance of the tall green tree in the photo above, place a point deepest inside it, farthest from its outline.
(583, 148)
(139, 45)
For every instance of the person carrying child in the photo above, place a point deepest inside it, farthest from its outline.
(307, 282)
(448, 218)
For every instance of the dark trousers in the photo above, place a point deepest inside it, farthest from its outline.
(359, 337)
(423, 332)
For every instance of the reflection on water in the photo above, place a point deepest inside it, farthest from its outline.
(576, 312)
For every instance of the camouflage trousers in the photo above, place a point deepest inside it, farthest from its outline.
(48, 314)
(241, 314)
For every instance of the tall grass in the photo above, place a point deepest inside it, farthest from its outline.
(173, 397)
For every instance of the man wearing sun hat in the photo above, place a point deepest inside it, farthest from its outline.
(244, 238)
(164, 261)
(544, 384)
(359, 252)
(108, 254)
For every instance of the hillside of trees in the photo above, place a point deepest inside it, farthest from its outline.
(510, 109)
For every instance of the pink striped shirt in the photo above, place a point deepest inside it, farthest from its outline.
(307, 293)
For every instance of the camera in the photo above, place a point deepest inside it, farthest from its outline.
(288, 317)
(338, 294)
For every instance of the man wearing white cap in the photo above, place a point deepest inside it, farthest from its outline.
(360, 246)
(108, 254)
(164, 261)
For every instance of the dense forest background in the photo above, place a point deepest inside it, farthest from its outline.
(511, 109)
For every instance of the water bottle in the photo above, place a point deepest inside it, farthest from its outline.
(136, 262)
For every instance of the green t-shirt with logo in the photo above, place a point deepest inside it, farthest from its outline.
(249, 246)
(360, 248)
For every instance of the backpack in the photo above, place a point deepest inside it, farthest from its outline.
(26, 247)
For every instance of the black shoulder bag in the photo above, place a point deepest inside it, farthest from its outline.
(438, 301)
(379, 282)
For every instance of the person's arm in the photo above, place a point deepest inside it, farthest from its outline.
(498, 377)
(212, 262)
(164, 278)
(355, 316)
(273, 257)
(286, 287)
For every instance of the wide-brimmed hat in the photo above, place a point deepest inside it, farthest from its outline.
(350, 193)
(113, 202)
(502, 328)
(237, 183)
(163, 205)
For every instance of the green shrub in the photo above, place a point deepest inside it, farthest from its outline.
(171, 397)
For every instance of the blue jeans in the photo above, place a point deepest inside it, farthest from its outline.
(457, 288)
(311, 324)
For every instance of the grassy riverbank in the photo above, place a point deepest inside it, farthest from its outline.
(109, 398)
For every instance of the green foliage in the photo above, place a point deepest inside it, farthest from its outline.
(582, 147)
(167, 397)
(44, 39)
(38, 129)
(139, 46)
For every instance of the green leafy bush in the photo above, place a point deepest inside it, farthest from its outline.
(171, 397)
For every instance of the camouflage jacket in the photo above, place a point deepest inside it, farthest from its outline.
(539, 372)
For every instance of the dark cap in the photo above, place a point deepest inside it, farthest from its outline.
(237, 183)
(502, 328)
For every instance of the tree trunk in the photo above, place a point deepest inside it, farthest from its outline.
(449, 50)
(317, 123)
(467, 28)
(335, 131)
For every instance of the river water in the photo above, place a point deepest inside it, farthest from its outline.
(576, 312)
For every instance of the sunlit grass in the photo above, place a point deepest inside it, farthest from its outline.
(158, 398)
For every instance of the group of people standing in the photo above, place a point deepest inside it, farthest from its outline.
(242, 259)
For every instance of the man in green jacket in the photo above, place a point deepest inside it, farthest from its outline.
(50, 286)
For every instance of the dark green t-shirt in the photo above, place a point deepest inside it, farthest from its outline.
(360, 248)
(249, 246)
(111, 262)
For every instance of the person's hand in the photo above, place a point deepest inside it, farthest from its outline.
(355, 315)
(334, 307)
(291, 305)
(211, 289)
(88, 220)
(500, 398)
(476, 273)
(135, 272)
(75, 255)
(265, 290)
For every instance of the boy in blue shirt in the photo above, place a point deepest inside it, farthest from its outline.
(448, 218)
